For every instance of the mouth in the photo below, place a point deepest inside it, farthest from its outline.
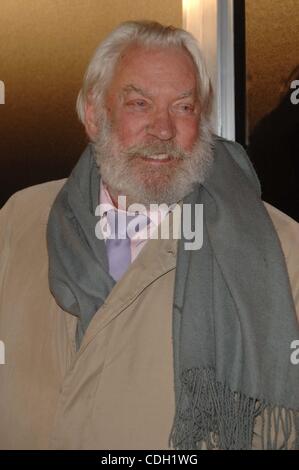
(158, 159)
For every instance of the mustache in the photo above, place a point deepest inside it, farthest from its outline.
(159, 148)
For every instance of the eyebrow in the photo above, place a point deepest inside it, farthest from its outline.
(186, 94)
(131, 87)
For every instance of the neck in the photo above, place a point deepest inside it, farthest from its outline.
(117, 199)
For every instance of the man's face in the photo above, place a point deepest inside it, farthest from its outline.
(146, 147)
(153, 98)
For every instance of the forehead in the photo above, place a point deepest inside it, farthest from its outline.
(155, 68)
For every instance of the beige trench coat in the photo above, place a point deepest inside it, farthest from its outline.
(105, 395)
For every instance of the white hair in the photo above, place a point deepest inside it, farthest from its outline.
(149, 34)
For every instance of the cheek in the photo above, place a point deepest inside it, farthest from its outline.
(187, 134)
(130, 128)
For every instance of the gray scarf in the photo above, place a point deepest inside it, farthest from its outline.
(233, 315)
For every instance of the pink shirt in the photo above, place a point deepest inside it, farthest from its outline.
(139, 240)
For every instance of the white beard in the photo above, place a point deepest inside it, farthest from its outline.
(126, 174)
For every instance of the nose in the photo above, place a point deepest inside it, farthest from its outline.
(162, 125)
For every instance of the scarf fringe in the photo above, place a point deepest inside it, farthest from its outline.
(209, 415)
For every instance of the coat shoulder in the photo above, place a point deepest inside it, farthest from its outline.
(31, 201)
(288, 233)
(286, 227)
(38, 194)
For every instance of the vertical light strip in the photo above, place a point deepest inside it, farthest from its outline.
(200, 19)
(211, 22)
(192, 17)
(226, 69)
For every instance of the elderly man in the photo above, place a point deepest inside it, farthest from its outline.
(136, 343)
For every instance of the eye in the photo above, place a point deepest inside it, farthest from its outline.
(141, 103)
(137, 104)
(184, 108)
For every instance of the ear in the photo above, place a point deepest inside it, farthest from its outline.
(91, 122)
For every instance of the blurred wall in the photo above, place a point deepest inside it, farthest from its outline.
(45, 46)
(272, 50)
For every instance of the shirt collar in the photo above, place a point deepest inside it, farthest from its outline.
(156, 216)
